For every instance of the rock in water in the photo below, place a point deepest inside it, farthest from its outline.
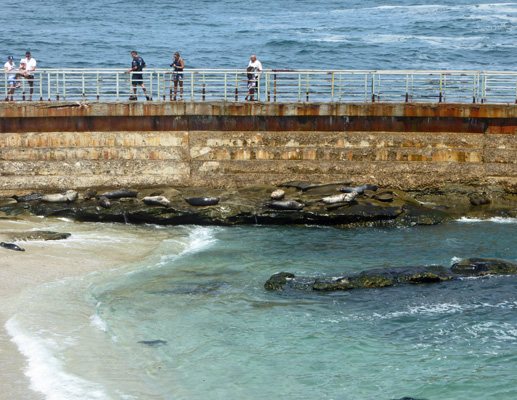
(478, 199)
(286, 205)
(202, 201)
(339, 198)
(105, 202)
(484, 266)
(278, 194)
(153, 343)
(11, 246)
(28, 197)
(118, 194)
(156, 201)
(384, 196)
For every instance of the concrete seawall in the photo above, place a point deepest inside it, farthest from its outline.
(58, 145)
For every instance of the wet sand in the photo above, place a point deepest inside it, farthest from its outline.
(40, 263)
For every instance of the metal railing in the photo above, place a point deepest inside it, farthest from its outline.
(272, 86)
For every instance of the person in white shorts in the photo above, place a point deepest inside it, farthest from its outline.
(9, 66)
(30, 66)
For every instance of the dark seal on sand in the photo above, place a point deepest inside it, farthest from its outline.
(11, 246)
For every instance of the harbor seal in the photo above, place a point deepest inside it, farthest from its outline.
(358, 189)
(278, 194)
(27, 197)
(11, 246)
(156, 201)
(202, 201)
(105, 202)
(286, 205)
(340, 198)
(118, 194)
(68, 197)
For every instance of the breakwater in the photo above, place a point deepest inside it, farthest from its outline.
(409, 146)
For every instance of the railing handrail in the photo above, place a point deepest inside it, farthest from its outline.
(271, 85)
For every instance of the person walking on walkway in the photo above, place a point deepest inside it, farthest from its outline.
(9, 66)
(137, 65)
(256, 66)
(30, 67)
(177, 76)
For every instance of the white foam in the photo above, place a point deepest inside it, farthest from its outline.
(499, 220)
(46, 372)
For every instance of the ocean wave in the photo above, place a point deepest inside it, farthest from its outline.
(46, 372)
(498, 220)
(444, 308)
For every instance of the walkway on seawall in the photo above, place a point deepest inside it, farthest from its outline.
(59, 145)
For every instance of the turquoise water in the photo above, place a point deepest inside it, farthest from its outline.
(210, 330)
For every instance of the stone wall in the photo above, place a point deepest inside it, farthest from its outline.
(52, 146)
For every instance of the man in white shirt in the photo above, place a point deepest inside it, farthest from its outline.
(256, 67)
(9, 66)
(30, 66)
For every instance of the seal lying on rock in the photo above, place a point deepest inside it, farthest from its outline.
(358, 189)
(105, 202)
(27, 197)
(286, 205)
(278, 194)
(156, 201)
(68, 197)
(339, 198)
(202, 201)
(11, 246)
(118, 194)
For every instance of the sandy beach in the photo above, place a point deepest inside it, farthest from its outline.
(40, 263)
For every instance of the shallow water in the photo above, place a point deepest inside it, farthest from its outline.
(194, 321)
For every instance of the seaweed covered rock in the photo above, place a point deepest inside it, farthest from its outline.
(386, 277)
(484, 266)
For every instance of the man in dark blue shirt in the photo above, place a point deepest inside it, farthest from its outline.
(137, 65)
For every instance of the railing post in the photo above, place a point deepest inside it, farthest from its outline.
(98, 89)
(57, 86)
(225, 86)
(151, 85)
(41, 86)
(474, 90)
(191, 86)
(64, 86)
(48, 87)
(5, 87)
(373, 87)
(332, 88)
(204, 92)
(407, 88)
(82, 88)
(268, 84)
(274, 92)
(117, 86)
(307, 92)
(440, 96)
(236, 86)
(299, 87)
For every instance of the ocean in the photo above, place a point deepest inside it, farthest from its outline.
(284, 34)
(191, 319)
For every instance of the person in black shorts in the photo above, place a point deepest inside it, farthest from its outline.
(177, 76)
(137, 65)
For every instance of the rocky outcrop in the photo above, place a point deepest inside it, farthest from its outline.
(379, 278)
(300, 203)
